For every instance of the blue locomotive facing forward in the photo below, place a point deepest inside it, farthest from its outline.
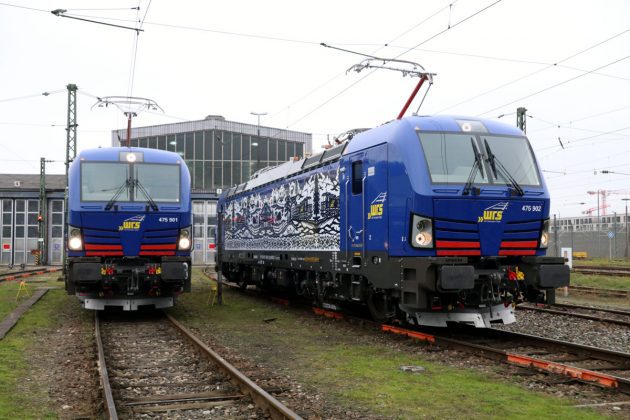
(129, 228)
(426, 219)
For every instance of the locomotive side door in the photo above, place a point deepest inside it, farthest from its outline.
(375, 190)
(352, 185)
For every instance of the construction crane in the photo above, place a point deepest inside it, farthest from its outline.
(602, 204)
(593, 209)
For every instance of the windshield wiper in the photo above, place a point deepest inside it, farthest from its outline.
(125, 184)
(154, 206)
(477, 166)
(495, 164)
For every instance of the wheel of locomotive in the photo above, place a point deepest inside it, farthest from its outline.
(243, 278)
(535, 296)
(381, 306)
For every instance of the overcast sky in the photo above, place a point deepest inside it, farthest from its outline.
(567, 62)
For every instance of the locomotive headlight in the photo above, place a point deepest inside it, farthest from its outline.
(544, 236)
(75, 241)
(424, 239)
(131, 157)
(421, 232)
(185, 241)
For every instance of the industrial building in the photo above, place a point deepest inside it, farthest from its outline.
(20, 229)
(219, 154)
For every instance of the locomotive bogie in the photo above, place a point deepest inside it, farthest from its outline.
(127, 283)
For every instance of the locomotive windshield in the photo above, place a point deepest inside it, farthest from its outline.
(451, 158)
(105, 181)
(517, 157)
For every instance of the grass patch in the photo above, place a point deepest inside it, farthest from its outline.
(8, 292)
(21, 396)
(356, 370)
(372, 377)
(602, 282)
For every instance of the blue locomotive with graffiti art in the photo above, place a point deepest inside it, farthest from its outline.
(129, 228)
(427, 219)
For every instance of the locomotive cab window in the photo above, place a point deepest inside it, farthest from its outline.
(160, 181)
(101, 180)
(452, 158)
(104, 181)
(357, 177)
(515, 155)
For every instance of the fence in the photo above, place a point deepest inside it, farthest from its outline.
(604, 243)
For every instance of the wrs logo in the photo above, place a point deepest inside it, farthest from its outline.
(493, 213)
(132, 224)
(376, 208)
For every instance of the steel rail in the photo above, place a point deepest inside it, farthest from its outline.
(557, 368)
(26, 273)
(506, 356)
(578, 315)
(275, 408)
(603, 271)
(601, 267)
(602, 292)
(110, 406)
(608, 310)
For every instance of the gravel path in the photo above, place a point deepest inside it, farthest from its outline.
(568, 328)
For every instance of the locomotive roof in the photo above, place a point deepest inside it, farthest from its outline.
(388, 132)
(452, 123)
(113, 154)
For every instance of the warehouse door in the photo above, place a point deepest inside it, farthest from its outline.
(198, 233)
(26, 232)
(204, 226)
(55, 232)
(6, 232)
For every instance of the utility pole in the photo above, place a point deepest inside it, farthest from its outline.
(598, 224)
(615, 237)
(42, 217)
(520, 119)
(258, 114)
(625, 254)
(71, 150)
(555, 236)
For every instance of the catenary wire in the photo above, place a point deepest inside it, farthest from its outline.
(24, 7)
(35, 95)
(555, 85)
(396, 57)
(534, 73)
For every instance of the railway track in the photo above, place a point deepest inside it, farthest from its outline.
(602, 271)
(592, 365)
(26, 273)
(152, 366)
(617, 293)
(608, 369)
(612, 316)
